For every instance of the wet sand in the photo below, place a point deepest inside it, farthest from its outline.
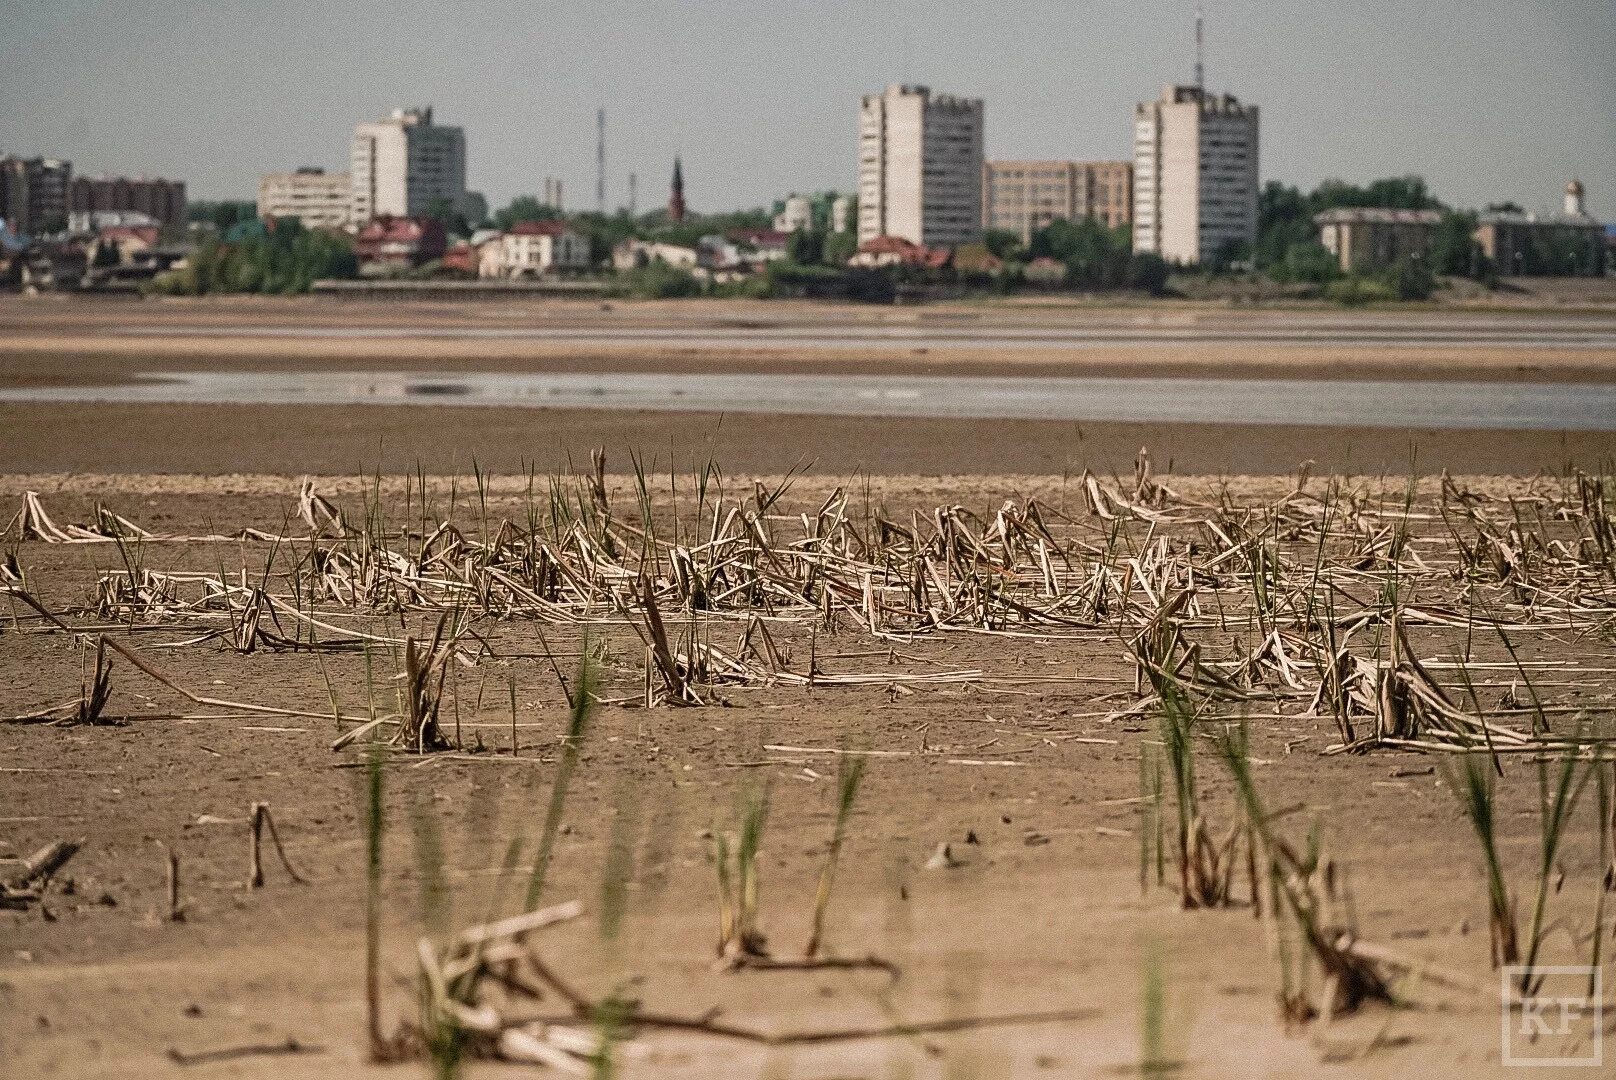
(292, 440)
(56, 342)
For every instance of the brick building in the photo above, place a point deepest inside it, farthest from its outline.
(161, 200)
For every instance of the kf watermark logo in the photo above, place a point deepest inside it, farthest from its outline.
(1559, 1022)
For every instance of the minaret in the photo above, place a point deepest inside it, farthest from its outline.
(676, 193)
(1573, 200)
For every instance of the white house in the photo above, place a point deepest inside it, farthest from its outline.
(797, 215)
(533, 249)
(632, 254)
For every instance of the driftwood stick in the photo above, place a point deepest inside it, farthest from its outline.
(231, 1053)
(709, 1024)
(218, 703)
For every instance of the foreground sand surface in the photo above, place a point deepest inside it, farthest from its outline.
(965, 595)
(1007, 723)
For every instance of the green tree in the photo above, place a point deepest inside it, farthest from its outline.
(1284, 219)
(221, 215)
(441, 210)
(1410, 279)
(525, 208)
(1454, 250)
(1147, 271)
(1306, 261)
(283, 258)
(806, 247)
(659, 281)
(1095, 256)
(1003, 243)
(839, 247)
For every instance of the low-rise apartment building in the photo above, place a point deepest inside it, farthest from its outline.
(313, 196)
(1371, 238)
(1570, 242)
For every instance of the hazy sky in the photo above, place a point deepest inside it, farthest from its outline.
(1490, 100)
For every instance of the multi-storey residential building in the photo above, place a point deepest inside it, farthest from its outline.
(313, 196)
(1025, 196)
(405, 164)
(33, 194)
(920, 167)
(161, 200)
(1195, 175)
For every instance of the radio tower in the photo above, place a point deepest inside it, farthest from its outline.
(633, 193)
(1200, 67)
(600, 161)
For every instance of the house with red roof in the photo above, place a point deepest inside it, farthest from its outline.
(534, 249)
(896, 251)
(387, 243)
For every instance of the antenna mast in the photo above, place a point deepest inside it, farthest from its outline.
(600, 161)
(1200, 51)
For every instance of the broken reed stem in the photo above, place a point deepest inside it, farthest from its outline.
(175, 913)
(259, 818)
(516, 751)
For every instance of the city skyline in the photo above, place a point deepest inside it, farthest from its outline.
(761, 103)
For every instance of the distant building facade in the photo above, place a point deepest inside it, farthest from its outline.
(920, 167)
(841, 214)
(89, 221)
(631, 254)
(757, 247)
(386, 244)
(1570, 242)
(1195, 176)
(34, 194)
(1371, 238)
(161, 200)
(405, 164)
(534, 249)
(885, 251)
(313, 196)
(1025, 196)
(796, 216)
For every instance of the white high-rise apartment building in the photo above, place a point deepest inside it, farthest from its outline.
(920, 167)
(313, 196)
(1195, 174)
(403, 164)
